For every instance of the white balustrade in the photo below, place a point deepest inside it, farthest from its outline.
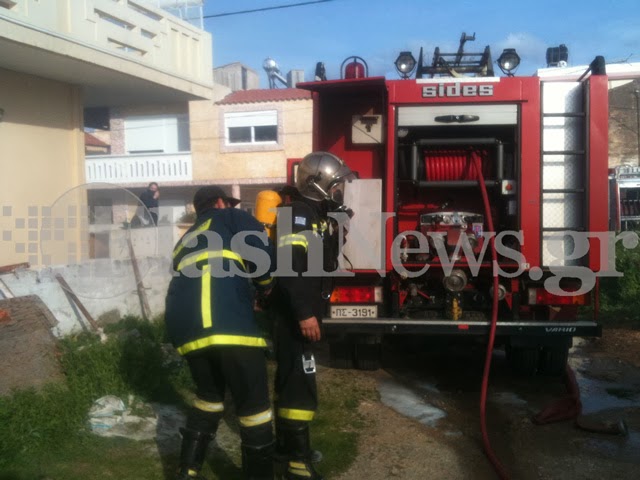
(130, 169)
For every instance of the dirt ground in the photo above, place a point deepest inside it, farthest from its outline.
(426, 424)
(618, 343)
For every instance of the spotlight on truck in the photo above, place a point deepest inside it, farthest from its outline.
(405, 64)
(508, 61)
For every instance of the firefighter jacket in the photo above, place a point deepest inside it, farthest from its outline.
(209, 302)
(303, 296)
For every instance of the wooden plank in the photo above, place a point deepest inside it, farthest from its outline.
(69, 292)
(14, 267)
(142, 294)
(5, 291)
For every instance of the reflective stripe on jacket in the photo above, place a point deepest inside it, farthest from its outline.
(209, 302)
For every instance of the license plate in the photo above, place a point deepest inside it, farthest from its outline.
(350, 311)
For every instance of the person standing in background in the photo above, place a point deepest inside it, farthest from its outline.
(149, 214)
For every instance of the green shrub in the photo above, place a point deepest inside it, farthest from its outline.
(620, 296)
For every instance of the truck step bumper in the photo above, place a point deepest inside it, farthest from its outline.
(390, 326)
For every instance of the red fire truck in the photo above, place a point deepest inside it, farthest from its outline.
(446, 155)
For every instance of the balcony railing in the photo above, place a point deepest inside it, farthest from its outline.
(134, 169)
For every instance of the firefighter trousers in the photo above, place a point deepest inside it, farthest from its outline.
(295, 383)
(244, 371)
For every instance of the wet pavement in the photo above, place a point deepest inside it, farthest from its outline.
(409, 403)
(440, 389)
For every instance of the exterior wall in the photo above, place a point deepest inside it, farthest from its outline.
(104, 135)
(95, 150)
(41, 157)
(118, 206)
(102, 285)
(158, 46)
(237, 77)
(623, 123)
(214, 161)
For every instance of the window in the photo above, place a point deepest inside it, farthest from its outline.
(157, 134)
(239, 134)
(251, 127)
(266, 133)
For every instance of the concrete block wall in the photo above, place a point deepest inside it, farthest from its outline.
(101, 285)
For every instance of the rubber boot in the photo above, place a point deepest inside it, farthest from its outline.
(281, 456)
(294, 447)
(316, 456)
(257, 462)
(194, 449)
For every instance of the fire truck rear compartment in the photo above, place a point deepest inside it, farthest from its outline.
(439, 196)
(531, 136)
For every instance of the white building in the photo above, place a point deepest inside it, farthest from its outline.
(66, 61)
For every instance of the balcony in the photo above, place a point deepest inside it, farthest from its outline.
(122, 52)
(139, 169)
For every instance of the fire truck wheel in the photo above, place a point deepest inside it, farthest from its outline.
(523, 360)
(368, 352)
(553, 360)
(341, 355)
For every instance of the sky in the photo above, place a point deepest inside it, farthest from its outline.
(377, 30)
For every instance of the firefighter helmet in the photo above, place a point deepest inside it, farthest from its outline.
(321, 176)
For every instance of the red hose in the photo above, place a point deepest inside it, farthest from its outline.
(498, 467)
(446, 165)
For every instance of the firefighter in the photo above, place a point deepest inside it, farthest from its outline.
(299, 303)
(210, 320)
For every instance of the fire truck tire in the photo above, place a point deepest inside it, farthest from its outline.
(368, 353)
(523, 360)
(553, 360)
(341, 355)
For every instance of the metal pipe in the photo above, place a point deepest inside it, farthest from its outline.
(499, 160)
(414, 162)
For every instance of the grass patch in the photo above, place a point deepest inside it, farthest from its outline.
(620, 296)
(130, 362)
(336, 429)
(90, 457)
(43, 434)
